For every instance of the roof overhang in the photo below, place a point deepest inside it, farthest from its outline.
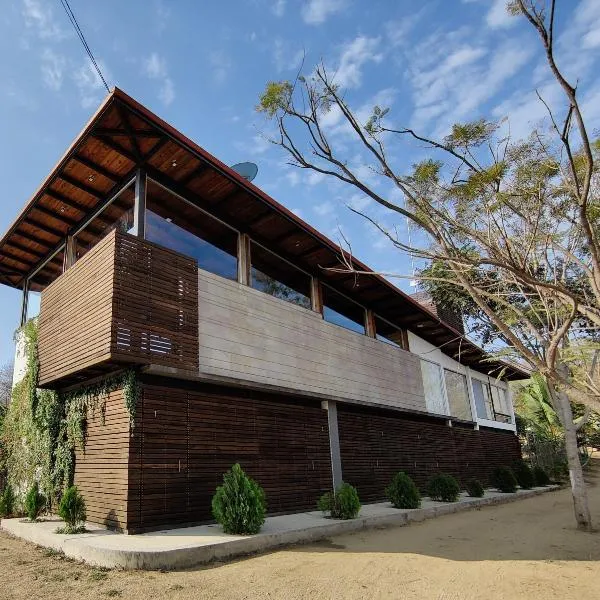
(123, 136)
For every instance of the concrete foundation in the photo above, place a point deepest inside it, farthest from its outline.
(192, 546)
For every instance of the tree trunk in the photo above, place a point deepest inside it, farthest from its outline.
(578, 488)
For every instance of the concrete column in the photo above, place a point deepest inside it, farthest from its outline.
(139, 207)
(334, 443)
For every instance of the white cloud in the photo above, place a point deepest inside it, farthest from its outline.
(315, 12)
(53, 69)
(155, 67)
(40, 17)
(353, 57)
(293, 178)
(498, 17)
(88, 82)
(220, 64)
(258, 144)
(324, 209)
(398, 31)
(359, 202)
(278, 8)
(284, 57)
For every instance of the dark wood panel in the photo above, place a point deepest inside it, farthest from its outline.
(376, 444)
(185, 439)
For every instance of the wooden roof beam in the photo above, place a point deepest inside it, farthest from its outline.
(90, 164)
(142, 133)
(129, 130)
(58, 216)
(45, 228)
(81, 186)
(24, 248)
(201, 168)
(108, 141)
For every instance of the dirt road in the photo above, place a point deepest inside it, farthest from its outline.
(527, 549)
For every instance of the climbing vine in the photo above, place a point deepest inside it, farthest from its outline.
(43, 428)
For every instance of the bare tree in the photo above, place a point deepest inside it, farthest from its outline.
(510, 226)
(6, 379)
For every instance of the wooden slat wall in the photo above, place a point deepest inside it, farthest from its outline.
(75, 319)
(375, 444)
(102, 471)
(126, 301)
(185, 439)
(155, 305)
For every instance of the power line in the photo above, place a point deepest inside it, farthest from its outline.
(71, 15)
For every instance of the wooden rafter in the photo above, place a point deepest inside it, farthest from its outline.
(90, 164)
(81, 186)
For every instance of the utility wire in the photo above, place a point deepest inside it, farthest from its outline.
(71, 15)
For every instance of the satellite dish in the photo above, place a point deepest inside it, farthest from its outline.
(247, 170)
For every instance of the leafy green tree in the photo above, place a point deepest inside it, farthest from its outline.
(509, 228)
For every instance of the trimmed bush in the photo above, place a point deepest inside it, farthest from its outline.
(443, 488)
(72, 510)
(344, 503)
(402, 492)
(239, 505)
(7, 502)
(475, 489)
(503, 479)
(540, 476)
(524, 475)
(34, 502)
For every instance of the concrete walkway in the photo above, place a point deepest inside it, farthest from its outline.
(191, 546)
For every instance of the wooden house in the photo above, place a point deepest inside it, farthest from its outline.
(150, 253)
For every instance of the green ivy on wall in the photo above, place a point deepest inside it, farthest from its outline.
(43, 428)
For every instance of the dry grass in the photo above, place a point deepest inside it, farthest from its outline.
(527, 549)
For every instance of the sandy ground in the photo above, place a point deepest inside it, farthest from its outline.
(526, 549)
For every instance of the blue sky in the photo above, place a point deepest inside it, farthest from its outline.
(202, 65)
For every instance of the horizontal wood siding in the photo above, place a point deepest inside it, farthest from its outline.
(126, 301)
(76, 317)
(376, 444)
(102, 471)
(185, 439)
(155, 305)
(252, 337)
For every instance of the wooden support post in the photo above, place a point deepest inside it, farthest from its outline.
(370, 328)
(139, 207)
(24, 302)
(244, 260)
(70, 256)
(316, 295)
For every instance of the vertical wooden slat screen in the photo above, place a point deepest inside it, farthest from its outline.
(126, 301)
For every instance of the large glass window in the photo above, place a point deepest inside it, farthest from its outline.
(435, 401)
(173, 223)
(386, 332)
(117, 215)
(458, 395)
(483, 400)
(500, 403)
(275, 276)
(342, 311)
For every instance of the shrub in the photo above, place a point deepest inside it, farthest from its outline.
(34, 502)
(475, 489)
(72, 510)
(402, 492)
(503, 479)
(443, 488)
(540, 476)
(524, 475)
(239, 505)
(7, 502)
(341, 504)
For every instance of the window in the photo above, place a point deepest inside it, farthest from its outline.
(275, 276)
(388, 333)
(342, 311)
(500, 403)
(435, 401)
(117, 215)
(458, 395)
(173, 223)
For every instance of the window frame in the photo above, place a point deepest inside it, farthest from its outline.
(324, 286)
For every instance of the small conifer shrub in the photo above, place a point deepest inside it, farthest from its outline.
(72, 510)
(503, 479)
(7, 502)
(443, 488)
(402, 492)
(540, 476)
(34, 502)
(344, 503)
(239, 505)
(475, 489)
(524, 475)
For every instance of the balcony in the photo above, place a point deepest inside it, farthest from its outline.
(127, 301)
